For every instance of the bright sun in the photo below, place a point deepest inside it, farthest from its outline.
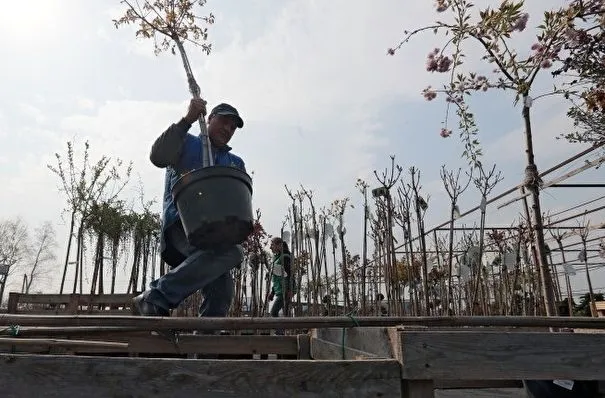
(29, 20)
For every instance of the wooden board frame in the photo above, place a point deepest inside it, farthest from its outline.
(62, 376)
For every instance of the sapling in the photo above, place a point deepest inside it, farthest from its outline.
(388, 179)
(485, 183)
(420, 207)
(171, 24)
(363, 188)
(583, 232)
(454, 189)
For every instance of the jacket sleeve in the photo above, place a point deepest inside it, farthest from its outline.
(167, 148)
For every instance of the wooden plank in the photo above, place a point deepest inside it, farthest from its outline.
(204, 323)
(326, 350)
(476, 384)
(76, 331)
(497, 356)
(418, 389)
(373, 340)
(16, 344)
(395, 339)
(67, 311)
(207, 344)
(13, 301)
(63, 376)
(84, 299)
(107, 299)
(483, 393)
(304, 346)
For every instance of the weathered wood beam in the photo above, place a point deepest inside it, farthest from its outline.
(502, 356)
(82, 299)
(358, 342)
(31, 376)
(191, 344)
(195, 323)
(327, 350)
(200, 344)
(40, 345)
(75, 331)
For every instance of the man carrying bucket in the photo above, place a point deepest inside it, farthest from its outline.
(192, 269)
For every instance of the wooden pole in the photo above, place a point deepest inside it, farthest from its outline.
(195, 323)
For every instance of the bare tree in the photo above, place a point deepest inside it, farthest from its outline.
(583, 232)
(337, 211)
(485, 183)
(363, 188)
(387, 180)
(558, 237)
(454, 189)
(43, 254)
(14, 248)
(404, 219)
(420, 207)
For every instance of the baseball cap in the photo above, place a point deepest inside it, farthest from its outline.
(228, 110)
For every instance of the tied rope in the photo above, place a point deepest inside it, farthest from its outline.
(344, 331)
(532, 178)
(12, 330)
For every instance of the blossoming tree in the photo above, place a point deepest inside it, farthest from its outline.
(493, 29)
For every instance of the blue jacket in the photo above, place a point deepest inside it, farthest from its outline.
(180, 152)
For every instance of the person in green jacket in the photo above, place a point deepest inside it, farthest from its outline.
(281, 278)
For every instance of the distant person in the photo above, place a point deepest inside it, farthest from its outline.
(192, 269)
(281, 278)
(381, 306)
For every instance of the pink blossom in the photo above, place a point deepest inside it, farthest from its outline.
(445, 133)
(546, 64)
(444, 64)
(437, 63)
(441, 5)
(521, 22)
(429, 94)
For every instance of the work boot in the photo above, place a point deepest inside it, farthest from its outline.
(140, 307)
(145, 308)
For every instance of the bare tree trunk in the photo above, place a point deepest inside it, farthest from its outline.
(593, 306)
(71, 232)
(79, 257)
(364, 258)
(533, 184)
(567, 281)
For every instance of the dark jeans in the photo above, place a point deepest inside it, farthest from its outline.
(278, 304)
(205, 270)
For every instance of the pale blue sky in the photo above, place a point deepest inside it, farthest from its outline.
(322, 101)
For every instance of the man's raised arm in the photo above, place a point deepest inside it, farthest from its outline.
(167, 148)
